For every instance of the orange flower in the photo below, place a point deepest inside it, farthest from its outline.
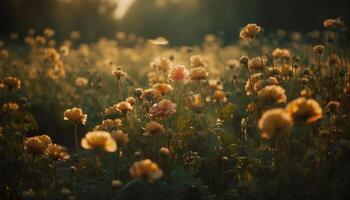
(249, 32)
(304, 110)
(163, 109)
(99, 140)
(75, 115)
(178, 73)
(146, 169)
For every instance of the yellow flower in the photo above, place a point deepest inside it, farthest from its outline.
(100, 140)
(11, 82)
(146, 169)
(194, 102)
(124, 107)
(57, 152)
(10, 106)
(165, 151)
(37, 145)
(249, 32)
(163, 88)
(304, 110)
(163, 109)
(272, 94)
(151, 94)
(64, 50)
(75, 115)
(220, 96)
(108, 124)
(153, 128)
(275, 123)
(51, 54)
(198, 73)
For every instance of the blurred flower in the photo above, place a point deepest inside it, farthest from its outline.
(99, 140)
(163, 109)
(163, 88)
(220, 96)
(81, 81)
(197, 61)
(4, 54)
(275, 123)
(215, 84)
(249, 86)
(120, 138)
(164, 151)
(281, 53)
(159, 41)
(119, 73)
(75, 115)
(11, 82)
(272, 94)
(333, 23)
(131, 100)
(319, 49)
(64, 50)
(146, 169)
(116, 183)
(153, 128)
(194, 102)
(48, 32)
(161, 64)
(333, 106)
(256, 64)
(249, 32)
(178, 73)
(109, 124)
(198, 73)
(51, 54)
(138, 92)
(10, 106)
(304, 110)
(57, 152)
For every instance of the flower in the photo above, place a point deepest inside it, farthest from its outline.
(11, 83)
(249, 32)
(57, 152)
(37, 145)
(178, 73)
(256, 63)
(333, 23)
(131, 100)
(272, 94)
(164, 151)
(119, 73)
(198, 73)
(197, 61)
(161, 64)
(146, 169)
(153, 128)
(75, 115)
(159, 41)
(163, 109)
(138, 92)
(249, 86)
(4, 54)
(194, 102)
(108, 124)
(99, 140)
(319, 49)
(215, 84)
(124, 107)
(81, 81)
(10, 106)
(163, 88)
(275, 123)
(220, 96)
(120, 138)
(51, 54)
(304, 110)
(64, 50)
(281, 53)
(151, 94)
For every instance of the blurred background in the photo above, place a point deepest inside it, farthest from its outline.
(181, 21)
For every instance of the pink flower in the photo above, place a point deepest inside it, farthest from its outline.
(163, 109)
(178, 73)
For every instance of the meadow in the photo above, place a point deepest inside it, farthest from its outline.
(135, 118)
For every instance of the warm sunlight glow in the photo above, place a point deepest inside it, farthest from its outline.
(122, 8)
